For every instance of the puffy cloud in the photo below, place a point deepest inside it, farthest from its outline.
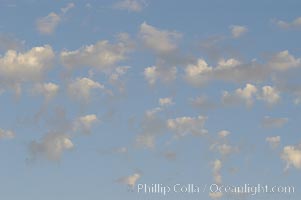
(8, 42)
(131, 180)
(146, 141)
(166, 101)
(85, 123)
(226, 149)
(47, 25)
(223, 133)
(130, 5)
(154, 73)
(81, 88)
(216, 167)
(6, 134)
(160, 41)
(17, 68)
(292, 156)
(283, 61)
(232, 70)
(215, 195)
(48, 90)
(242, 95)
(102, 55)
(203, 102)
(187, 125)
(296, 23)
(237, 31)
(51, 146)
(273, 141)
(270, 122)
(117, 74)
(270, 95)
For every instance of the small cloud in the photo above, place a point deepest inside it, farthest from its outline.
(273, 141)
(130, 5)
(292, 156)
(296, 23)
(237, 31)
(130, 181)
(7, 134)
(166, 101)
(48, 24)
(270, 122)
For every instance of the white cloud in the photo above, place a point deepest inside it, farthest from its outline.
(51, 146)
(130, 180)
(166, 101)
(237, 31)
(203, 102)
(187, 125)
(6, 134)
(273, 141)
(146, 141)
(153, 74)
(283, 61)
(17, 68)
(292, 156)
(242, 95)
(215, 195)
(81, 88)
(130, 5)
(226, 149)
(48, 24)
(232, 70)
(85, 123)
(160, 41)
(223, 133)
(102, 56)
(270, 95)
(217, 165)
(48, 90)
(270, 122)
(296, 23)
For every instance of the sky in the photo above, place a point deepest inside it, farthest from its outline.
(100, 97)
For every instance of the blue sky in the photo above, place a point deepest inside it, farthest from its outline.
(100, 96)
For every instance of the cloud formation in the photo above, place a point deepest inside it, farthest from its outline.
(296, 23)
(237, 30)
(130, 5)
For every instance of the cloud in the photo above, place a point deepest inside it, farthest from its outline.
(249, 94)
(296, 23)
(153, 74)
(48, 90)
(116, 77)
(130, 181)
(183, 126)
(237, 31)
(270, 95)
(48, 24)
(203, 103)
(270, 122)
(292, 156)
(216, 167)
(273, 141)
(166, 101)
(151, 127)
(81, 88)
(102, 56)
(85, 123)
(52, 146)
(130, 5)
(7, 134)
(8, 42)
(160, 41)
(17, 68)
(146, 141)
(283, 61)
(232, 70)
(242, 95)
(223, 133)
